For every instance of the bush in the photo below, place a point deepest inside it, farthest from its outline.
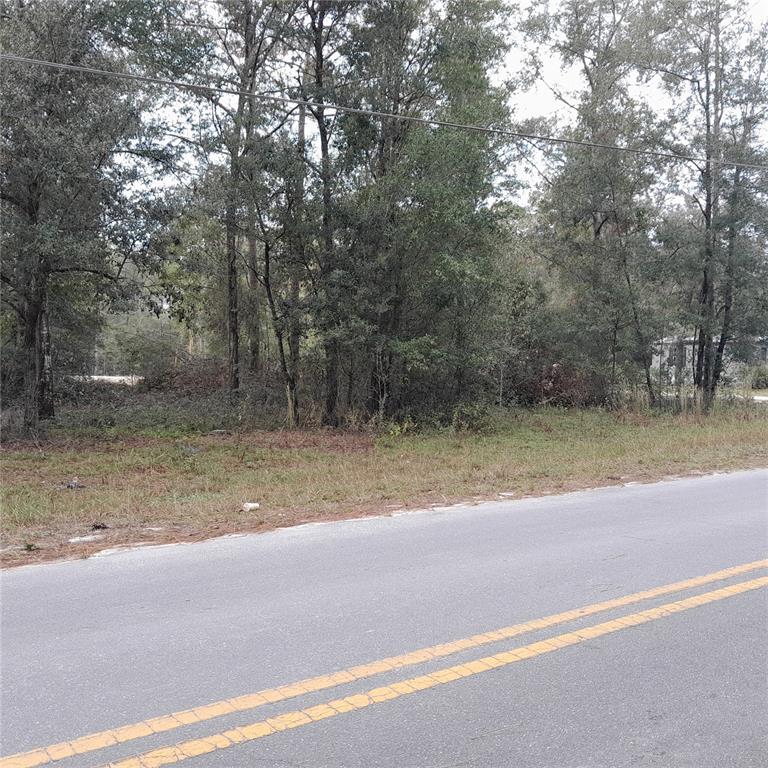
(399, 428)
(760, 377)
(195, 377)
(567, 386)
(471, 417)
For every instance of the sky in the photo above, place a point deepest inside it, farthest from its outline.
(540, 101)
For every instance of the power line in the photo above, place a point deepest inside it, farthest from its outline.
(373, 113)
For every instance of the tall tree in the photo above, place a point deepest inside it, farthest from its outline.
(80, 158)
(248, 36)
(713, 64)
(393, 52)
(321, 34)
(61, 134)
(597, 208)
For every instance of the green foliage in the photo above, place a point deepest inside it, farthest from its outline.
(470, 417)
(77, 225)
(373, 269)
(400, 428)
(760, 377)
(140, 344)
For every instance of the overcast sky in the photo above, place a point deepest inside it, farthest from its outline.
(541, 101)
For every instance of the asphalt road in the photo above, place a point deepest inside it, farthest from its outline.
(92, 645)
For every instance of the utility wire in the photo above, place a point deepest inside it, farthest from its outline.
(372, 112)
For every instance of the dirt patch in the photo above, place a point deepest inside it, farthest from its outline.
(54, 545)
(286, 440)
(60, 444)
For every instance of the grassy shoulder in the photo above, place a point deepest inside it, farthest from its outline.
(136, 488)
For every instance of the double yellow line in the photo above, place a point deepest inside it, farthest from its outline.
(297, 718)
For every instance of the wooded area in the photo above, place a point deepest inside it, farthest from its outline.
(296, 213)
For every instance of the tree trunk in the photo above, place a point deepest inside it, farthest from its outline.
(459, 339)
(378, 386)
(331, 345)
(234, 147)
(712, 103)
(386, 387)
(292, 399)
(38, 394)
(254, 316)
(32, 311)
(614, 344)
(643, 345)
(291, 382)
(294, 296)
(45, 363)
(233, 330)
(330, 414)
(294, 351)
(725, 330)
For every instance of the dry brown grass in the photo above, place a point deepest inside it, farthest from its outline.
(193, 487)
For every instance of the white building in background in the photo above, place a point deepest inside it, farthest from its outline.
(673, 359)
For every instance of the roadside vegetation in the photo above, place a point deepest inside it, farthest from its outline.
(344, 263)
(158, 484)
(347, 268)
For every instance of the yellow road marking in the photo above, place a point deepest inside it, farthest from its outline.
(125, 733)
(288, 720)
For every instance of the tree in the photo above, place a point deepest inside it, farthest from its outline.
(248, 35)
(319, 36)
(61, 133)
(597, 210)
(78, 151)
(714, 66)
(420, 233)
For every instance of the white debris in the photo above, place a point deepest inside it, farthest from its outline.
(250, 506)
(131, 380)
(90, 537)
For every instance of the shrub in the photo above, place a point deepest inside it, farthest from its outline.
(567, 386)
(760, 377)
(470, 417)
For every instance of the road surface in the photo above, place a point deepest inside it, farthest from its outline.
(665, 665)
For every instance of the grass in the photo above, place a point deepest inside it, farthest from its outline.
(193, 486)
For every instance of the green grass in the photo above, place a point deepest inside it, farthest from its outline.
(195, 485)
